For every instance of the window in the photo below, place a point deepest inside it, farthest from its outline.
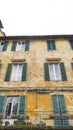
(20, 46)
(59, 109)
(1, 46)
(71, 44)
(54, 71)
(51, 45)
(17, 72)
(12, 106)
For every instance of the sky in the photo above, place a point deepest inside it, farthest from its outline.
(37, 17)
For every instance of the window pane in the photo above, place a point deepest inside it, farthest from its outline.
(57, 72)
(19, 72)
(51, 72)
(8, 106)
(12, 106)
(15, 105)
(23, 46)
(1, 46)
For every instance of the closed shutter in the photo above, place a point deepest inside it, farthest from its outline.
(8, 72)
(57, 122)
(48, 45)
(65, 122)
(24, 72)
(63, 72)
(46, 72)
(63, 111)
(5, 46)
(27, 45)
(14, 46)
(62, 105)
(72, 65)
(2, 104)
(53, 45)
(22, 107)
(55, 104)
(71, 43)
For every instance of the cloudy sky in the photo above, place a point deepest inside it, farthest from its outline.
(37, 17)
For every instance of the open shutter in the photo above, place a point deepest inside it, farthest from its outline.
(5, 46)
(55, 104)
(8, 72)
(72, 65)
(63, 72)
(22, 107)
(27, 45)
(24, 72)
(71, 43)
(53, 45)
(14, 46)
(2, 103)
(46, 72)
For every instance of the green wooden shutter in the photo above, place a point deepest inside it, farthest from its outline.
(65, 122)
(62, 105)
(55, 104)
(5, 46)
(63, 111)
(71, 43)
(0, 65)
(27, 45)
(57, 122)
(72, 65)
(48, 45)
(2, 103)
(22, 107)
(14, 46)
(53, 45)
(46, 72)
(24, 72)
(63, 72)
(8, 72)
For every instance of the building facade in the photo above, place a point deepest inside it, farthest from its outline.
(36, 79)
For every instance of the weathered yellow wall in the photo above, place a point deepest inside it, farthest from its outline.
(36, 57)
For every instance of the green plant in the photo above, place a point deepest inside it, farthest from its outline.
(15, 122)
(7, 123)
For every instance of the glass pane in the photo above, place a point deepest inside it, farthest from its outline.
(20, 68)
(15, 105)
(51, 72)
(23, 46)
(1, 46)
(57, 72)
(18, 46)
(14, 73)
(8, 106)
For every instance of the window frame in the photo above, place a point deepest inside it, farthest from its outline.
(12, 104)
(54, 72)
(15, 74)
(50, 45)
